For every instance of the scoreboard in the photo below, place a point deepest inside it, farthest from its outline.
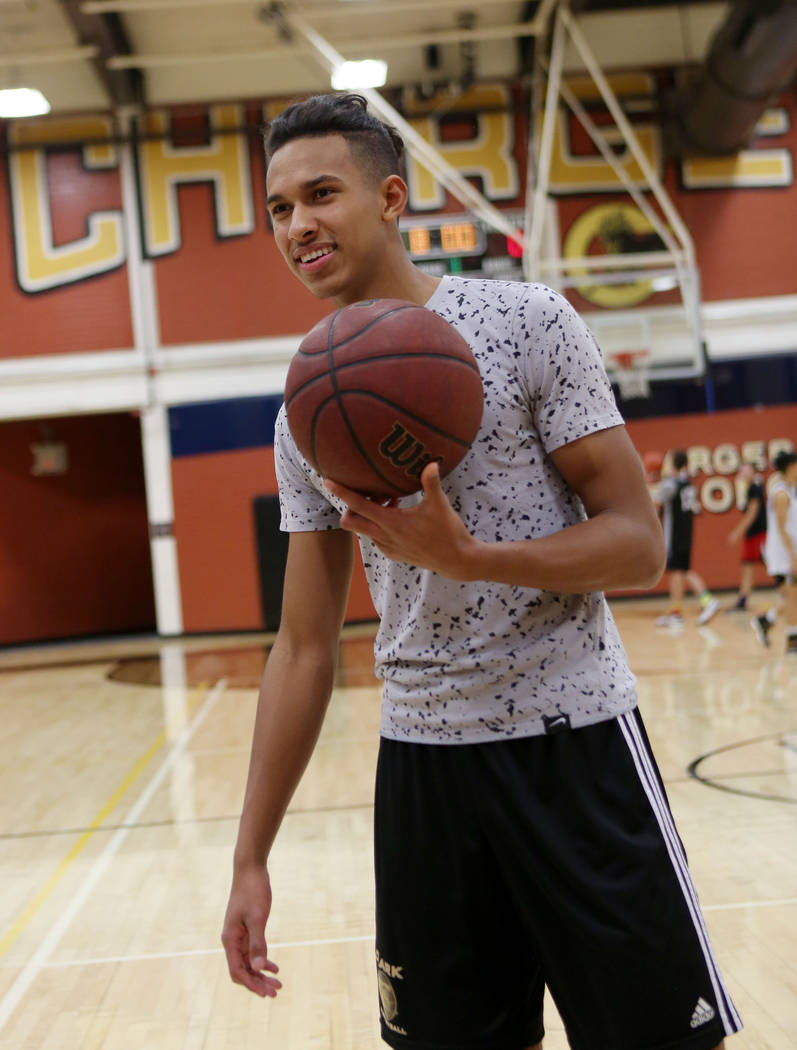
(460, 243)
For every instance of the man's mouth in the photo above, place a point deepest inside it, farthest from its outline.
(313, 258)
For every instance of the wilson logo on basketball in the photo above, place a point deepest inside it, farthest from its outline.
(405, 451)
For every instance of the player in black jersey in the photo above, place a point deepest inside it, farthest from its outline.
(678, 498)
(753, 526)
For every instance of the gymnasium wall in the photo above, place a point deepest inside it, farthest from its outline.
(222, 460)
(717, 445)
(195, 196)
(140, 270)
(74, 548)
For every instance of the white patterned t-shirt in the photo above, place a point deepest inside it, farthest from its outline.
(476, 661)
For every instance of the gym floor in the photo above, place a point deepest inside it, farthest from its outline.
(121, 781)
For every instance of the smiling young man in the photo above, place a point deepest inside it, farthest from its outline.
(522, 833)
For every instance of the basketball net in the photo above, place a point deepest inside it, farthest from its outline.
(631, 373)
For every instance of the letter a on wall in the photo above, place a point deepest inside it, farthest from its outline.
(41, 264)
(486, 153)
(163, 167)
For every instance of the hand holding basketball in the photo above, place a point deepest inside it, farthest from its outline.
(429, 535)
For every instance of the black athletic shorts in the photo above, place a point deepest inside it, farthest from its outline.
(505, 866)
(679, 559)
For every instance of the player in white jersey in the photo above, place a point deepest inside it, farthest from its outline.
(522, 833)
(780, 549)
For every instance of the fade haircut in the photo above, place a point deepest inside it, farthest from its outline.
(375, 146)
(784, 460)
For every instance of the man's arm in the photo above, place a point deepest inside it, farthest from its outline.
(294, 694)
(780, 504)
(620, 545)
(747, 520)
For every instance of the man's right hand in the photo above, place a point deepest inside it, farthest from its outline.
(244, 932)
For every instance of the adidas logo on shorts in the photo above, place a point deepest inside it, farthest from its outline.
(703, 1013)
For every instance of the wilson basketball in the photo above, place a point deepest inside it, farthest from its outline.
(379, 389)
(653, 462)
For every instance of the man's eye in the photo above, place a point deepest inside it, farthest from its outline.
(323, 191)
(278, 209)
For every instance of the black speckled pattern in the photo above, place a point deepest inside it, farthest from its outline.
(468, 662)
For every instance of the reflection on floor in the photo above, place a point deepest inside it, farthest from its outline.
(120, 784)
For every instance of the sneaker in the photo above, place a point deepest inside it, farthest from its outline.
(762, 627)
(709, 609)
(670, 620)
(740, 605)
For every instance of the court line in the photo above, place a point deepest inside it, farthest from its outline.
(148, 956)
(173, 822)
(30, 909)
(38, 960)
(749, 904)
(278, 945)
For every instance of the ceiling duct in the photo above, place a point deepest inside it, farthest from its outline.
(751, 62)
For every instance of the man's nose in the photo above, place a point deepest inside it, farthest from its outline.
(303, 224)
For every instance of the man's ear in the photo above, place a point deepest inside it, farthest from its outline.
(394, 197)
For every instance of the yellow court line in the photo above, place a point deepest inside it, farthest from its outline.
(46, 891)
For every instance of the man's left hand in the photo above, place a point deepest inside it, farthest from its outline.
(430, 534)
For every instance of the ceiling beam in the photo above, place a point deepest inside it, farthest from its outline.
(105, 32)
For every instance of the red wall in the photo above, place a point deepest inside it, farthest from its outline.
(89, 315)
(214, 527)
(74, 550)
(712, 556)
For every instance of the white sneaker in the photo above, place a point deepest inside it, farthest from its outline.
(761, 626)
(709, 609)
(670, 620)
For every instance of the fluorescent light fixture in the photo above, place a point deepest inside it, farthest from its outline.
(663, 283)
(22, 102)
(370, 73)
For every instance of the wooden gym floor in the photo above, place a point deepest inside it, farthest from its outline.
(121, 777)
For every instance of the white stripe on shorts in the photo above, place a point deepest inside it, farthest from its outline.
(650, 782)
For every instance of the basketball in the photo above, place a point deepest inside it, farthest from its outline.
(379, 389)
(653, 462)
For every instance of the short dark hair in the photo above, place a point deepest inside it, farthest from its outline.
(377, 147)
(784, 460)
(679, 459)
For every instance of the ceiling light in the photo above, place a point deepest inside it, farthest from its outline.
(663, 283)
(22, 102)
(370, 73)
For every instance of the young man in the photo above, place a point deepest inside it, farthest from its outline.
(522, 833)
(780, 550)
(753, 526)
(678, 498)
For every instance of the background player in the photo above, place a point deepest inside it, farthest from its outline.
(677, 497)
(753, 526)
(780, 550)
(514, 781)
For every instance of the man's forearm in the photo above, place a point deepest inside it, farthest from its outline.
(608, 552)
(293, 700)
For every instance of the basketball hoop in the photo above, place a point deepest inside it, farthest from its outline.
(631, 373)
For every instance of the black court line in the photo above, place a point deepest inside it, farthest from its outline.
(13, 836)
(781, 738)
(60, 665)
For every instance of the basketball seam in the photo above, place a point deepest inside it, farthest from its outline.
(344, 416)
(357, 443)
(431, 356)
(360, 331)
(404, 411)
